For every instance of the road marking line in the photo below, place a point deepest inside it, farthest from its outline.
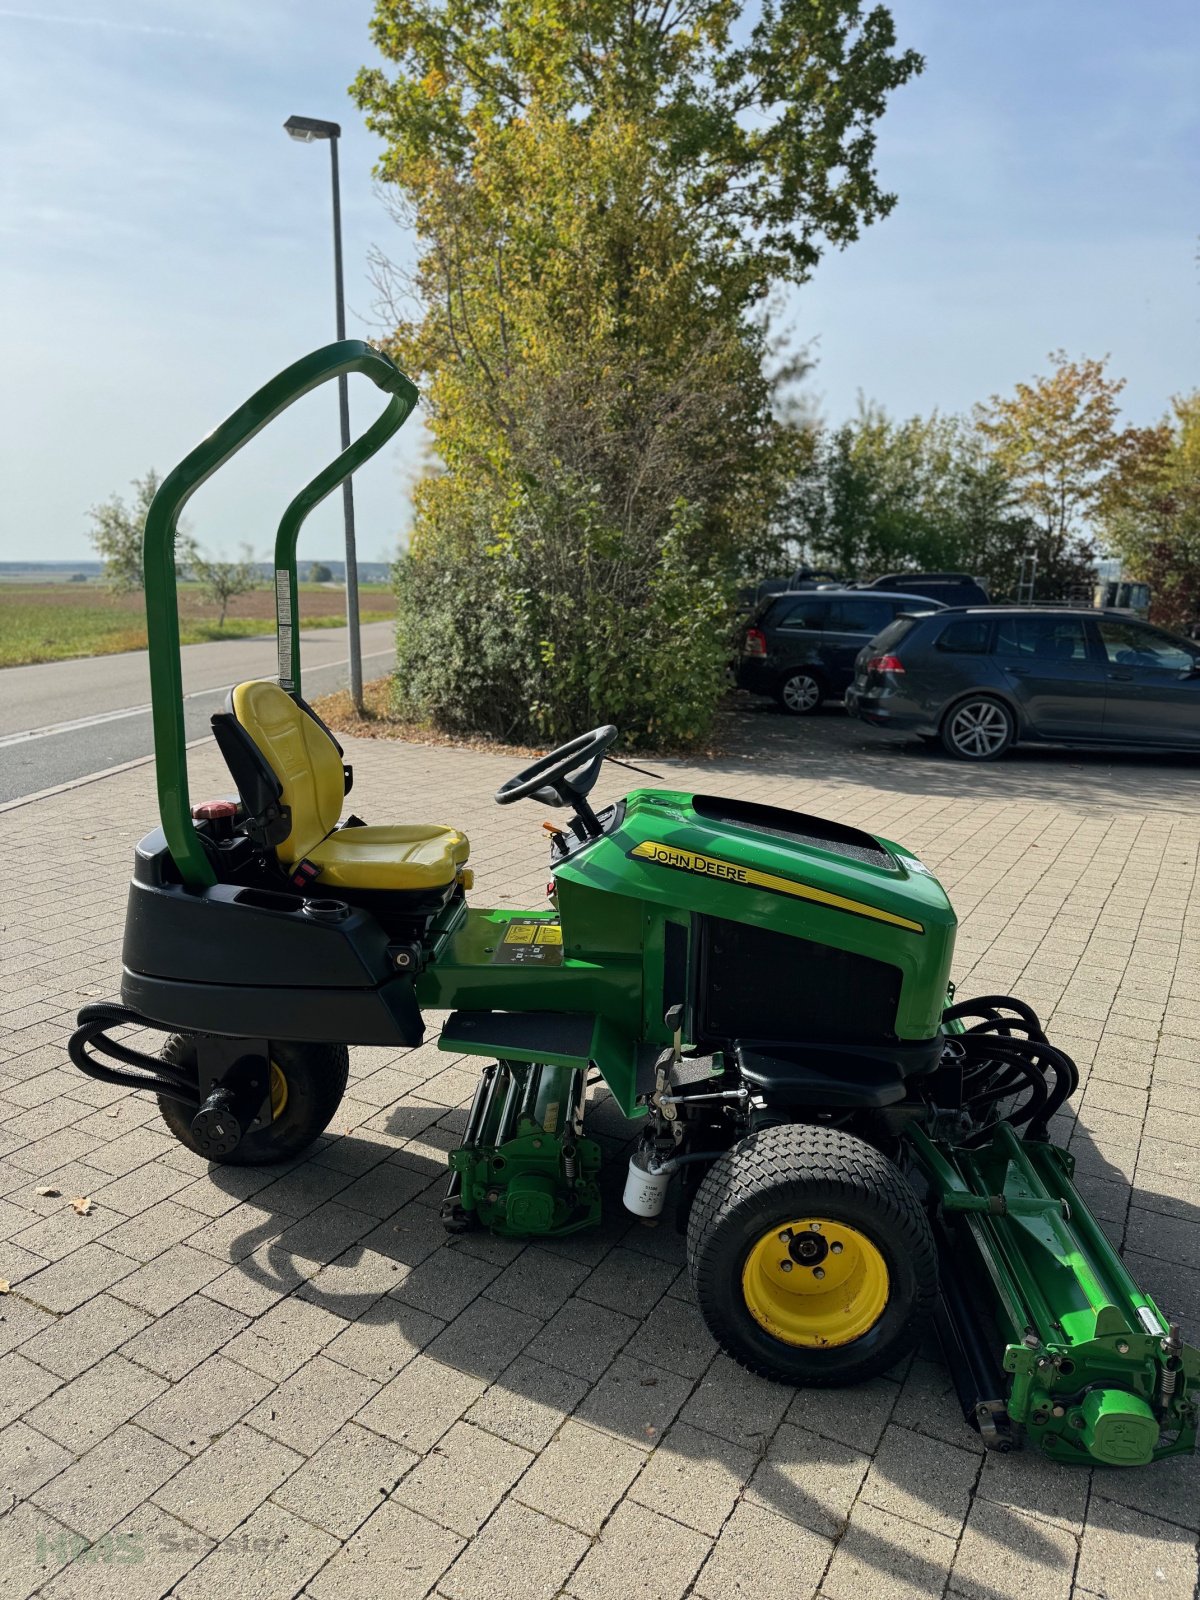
(101, 717)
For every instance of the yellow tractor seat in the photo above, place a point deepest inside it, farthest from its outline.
(406, 855)
(289, 772)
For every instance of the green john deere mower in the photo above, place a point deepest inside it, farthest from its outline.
(854, 1153)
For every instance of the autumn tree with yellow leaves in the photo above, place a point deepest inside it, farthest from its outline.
(603, 197)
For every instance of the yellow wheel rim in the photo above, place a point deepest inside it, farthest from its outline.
(279, 1093)
(815, 1283)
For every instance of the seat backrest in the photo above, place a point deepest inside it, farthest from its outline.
(303, 757)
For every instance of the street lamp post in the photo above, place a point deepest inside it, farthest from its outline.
(306, 130)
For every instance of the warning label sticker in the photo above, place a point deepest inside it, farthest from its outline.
(529, 942)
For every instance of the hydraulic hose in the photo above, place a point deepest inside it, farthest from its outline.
(158, 1076)
(998, 1062)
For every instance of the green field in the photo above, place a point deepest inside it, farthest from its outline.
(56, 621)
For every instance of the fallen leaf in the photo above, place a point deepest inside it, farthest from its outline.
(112, 1112)
(5, 1286)
(82, 1205)
(49, 1194)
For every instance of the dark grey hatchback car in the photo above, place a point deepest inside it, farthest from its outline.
(982, 680)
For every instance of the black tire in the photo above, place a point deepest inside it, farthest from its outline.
(800, 692)
(315, 1075)
(979, 728)
(791, 1172)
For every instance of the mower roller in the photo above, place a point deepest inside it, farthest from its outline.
(855, 1155)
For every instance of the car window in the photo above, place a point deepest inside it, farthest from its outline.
(969, 636)
(859, 616)
(1041, 638)
(1127, 644)
(807, 612)
(893, 633)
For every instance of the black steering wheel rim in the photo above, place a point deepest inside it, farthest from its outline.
(563, 776)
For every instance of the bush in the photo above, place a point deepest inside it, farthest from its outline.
(542, 633)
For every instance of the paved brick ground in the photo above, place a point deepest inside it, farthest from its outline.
(281, 1382)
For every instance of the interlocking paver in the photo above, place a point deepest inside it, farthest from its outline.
(520, 1555)
(192, 1413)
(75, 1342)
(809, 1480)
(221, 1486)
(528, 1402)
(580, 1477)
(420, 1403)
(760, 1556)
(270, 1557)
(640, 1556)
(462, 1480)
(313, 1403)
(173, 1344)
(27, 1460)
(110, 1480)
(353, 1472)
(695, 1477)
(1014, 1553)
(280, 1341)
(396, 1552)
(922, 1480)
(559, 1402)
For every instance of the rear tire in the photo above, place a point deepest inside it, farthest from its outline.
(800, 693)
(978, 728)
(754, 1257)
(313, 1080)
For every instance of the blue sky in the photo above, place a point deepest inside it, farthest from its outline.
(164, 247)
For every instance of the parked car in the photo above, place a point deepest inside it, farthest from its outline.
(980, 681)
(950, 588)
(802, 578)
(801, 648)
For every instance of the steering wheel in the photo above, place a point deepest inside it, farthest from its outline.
(564, 777)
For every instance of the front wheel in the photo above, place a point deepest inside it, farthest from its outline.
(978, 729)
(800, 693)
(307, 1084)
(810, 1257)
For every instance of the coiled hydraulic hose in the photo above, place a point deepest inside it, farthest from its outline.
(1002, 1055)
(158, 1076)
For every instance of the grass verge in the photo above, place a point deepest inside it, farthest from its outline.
(59, 622)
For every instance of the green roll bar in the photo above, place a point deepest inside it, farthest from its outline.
(158, 560)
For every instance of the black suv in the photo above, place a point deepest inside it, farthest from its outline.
(949, 588)
(980, 681)
(800, 648)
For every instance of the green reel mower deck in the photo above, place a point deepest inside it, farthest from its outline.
(764, 993)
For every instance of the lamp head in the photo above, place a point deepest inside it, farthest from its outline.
(306, 129)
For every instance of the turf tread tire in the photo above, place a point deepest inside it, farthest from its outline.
(798, 1167)
(316, 1074)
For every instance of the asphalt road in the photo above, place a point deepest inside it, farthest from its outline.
(66, 719)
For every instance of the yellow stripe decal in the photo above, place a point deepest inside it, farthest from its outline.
(669, 855)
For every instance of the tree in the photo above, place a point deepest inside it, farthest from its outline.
(319, 573)
(603, 197)
(223, 581)
(117, 530)
(1150, 513)
(1057, 440)
(881, 495)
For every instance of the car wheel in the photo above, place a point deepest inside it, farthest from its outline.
(978, 729)
(800, 693)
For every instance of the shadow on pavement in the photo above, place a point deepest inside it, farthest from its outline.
(830, 746)
(637, 1362)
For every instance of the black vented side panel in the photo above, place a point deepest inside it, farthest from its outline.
(754, 984)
